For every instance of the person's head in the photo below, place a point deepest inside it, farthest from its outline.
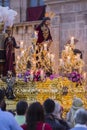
(46, 20)
(1, 97)
(9, 30)
(57, 110)
(81, 117)
(35, 113)
(3, 105)
(49, 106)
(21, 107)
(77, 103)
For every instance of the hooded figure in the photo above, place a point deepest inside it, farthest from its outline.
(77, 104)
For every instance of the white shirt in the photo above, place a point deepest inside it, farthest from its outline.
(8, 122)
(80, 125)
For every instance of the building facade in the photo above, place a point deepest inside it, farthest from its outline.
(70, 20)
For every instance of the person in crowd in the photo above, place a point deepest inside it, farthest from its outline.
(58, 111)
(80, 120)
(7, 120)
(77, 104)
(3, 105)
(21, 109)
(49, 106)
(35, 118)
(10, 45)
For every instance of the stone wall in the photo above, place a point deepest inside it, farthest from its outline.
(72, 22)
(23, 32)
(20, 6)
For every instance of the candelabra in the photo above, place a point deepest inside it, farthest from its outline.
(36, 59)
(71, 64)
(69, 61)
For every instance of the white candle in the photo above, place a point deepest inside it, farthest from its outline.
(72, 40)
(45, 47)
(42, 74)
(52, 57)
(36, 34)
(31, 76)
(66, 48)
(84, 75)
(22, 53)
(61, 62)
(21, 44)
(78, 56)
(18, 57)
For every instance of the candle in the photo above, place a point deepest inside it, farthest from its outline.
(80, 69)
(61, 62)
(21, 44)
(72, 40)
(31, 76)
(84, 75)
(18, 57)
(41, 48)
(42, 74)
(45, 47)
(66, 48)
(52, 57)
(78, 56)
(22, 53)
(36, 34)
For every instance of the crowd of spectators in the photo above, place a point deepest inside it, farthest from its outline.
(46, 116)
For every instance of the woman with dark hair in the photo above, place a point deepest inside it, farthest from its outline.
(35, 118)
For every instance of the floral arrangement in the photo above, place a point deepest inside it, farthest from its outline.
(54, 76)
(30, 75)
(75, 77)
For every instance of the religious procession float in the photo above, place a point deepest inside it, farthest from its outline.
(36, 79)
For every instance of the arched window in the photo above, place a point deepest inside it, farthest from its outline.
(34, 3)
(4, 3)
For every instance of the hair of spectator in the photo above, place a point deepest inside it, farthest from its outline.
(81, 116)
(34, 114)
(21, 107)
(49, 106)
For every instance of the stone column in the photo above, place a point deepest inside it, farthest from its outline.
(55, 32)
(15, 5)
(20, 6)
(23, 8)
(55, 36)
